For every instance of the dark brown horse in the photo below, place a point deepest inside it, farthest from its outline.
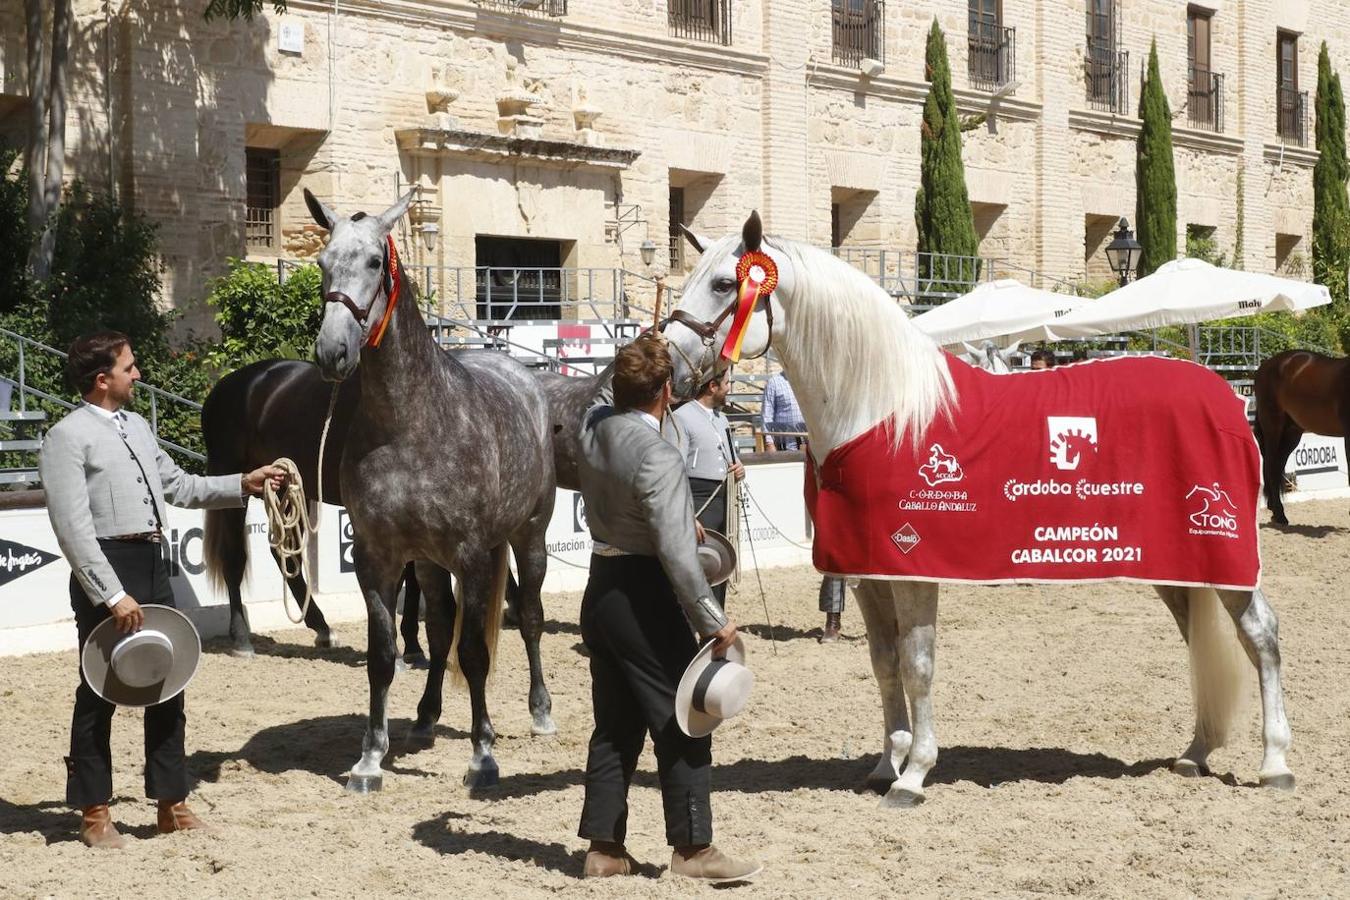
(252, 417)
(1297, 391)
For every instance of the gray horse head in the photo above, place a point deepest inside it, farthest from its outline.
(989, 357)
(356, 282)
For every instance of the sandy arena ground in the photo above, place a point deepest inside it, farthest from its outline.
(1058, 711)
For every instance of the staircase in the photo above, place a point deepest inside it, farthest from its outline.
(24, 428)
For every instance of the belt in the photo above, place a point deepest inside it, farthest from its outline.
(144, 537)
(606, 550)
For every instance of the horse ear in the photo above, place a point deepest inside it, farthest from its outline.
(975, 352)
(323, 216)
(698, 242)
(389, 218)
(753, 232)
(1013, 348)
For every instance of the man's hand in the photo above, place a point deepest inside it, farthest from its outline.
(725, 636)
(699, 533)
(128, 614)
(254, 481)
(738, 470)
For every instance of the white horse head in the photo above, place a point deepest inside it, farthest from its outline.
(356, 282)
(849, 350)
(989, 357)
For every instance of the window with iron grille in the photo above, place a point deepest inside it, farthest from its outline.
(1108, 66)
(676, 237)
(859, 30)
(1204, 98)
(262, 189)
(701, 20)
(992, 56)
(1291, 103)
(555, 8)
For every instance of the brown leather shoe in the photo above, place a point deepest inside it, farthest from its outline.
(832, 625)
(605, 858)
(710, 864)
(175, 816)
(97, 829)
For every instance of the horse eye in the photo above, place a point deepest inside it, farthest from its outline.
(722, 285)
(375, 263)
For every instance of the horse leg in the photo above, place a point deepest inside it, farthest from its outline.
(532, 561)
(1285, 442)
(378, 578)
(226, 543)
(482, 583)
(1258, 631)
(323, 635)
(916, 618)
(412, 601)
(883, 641)
(435, 588)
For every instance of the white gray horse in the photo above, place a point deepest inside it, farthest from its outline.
(449, 459)
(855, 360)
(990, 357)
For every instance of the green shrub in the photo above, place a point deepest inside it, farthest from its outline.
(261, 318)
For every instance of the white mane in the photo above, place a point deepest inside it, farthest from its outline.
(852, 355)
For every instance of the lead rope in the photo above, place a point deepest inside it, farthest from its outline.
(289, 528)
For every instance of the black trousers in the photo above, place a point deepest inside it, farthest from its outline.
(640, 645)
(714, 517)
(145, 576)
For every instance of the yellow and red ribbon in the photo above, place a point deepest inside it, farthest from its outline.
(758, 276)
(396, 279)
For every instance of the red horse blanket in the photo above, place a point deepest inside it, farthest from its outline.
(1132, 469)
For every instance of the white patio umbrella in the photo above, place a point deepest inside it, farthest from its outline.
(993, 310)
(1182, 292)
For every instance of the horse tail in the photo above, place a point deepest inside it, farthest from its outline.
(492, 626)
(225, 547)
(1218, 666)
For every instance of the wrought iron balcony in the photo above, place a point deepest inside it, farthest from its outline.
(553, 8)
(1204, 101)
(858, 31)
(1292, 115)
(1108, 77)
(701, 20)
(993, 55)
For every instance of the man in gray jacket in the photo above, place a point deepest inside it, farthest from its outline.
(645, 597)
(106, 481)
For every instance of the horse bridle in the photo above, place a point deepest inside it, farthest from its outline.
(707, 332)
(385, 284)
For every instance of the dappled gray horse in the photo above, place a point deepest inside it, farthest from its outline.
(448, 460)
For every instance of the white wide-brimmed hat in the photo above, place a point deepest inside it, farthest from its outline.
(717, 555)
(712, 689)
(144, 668)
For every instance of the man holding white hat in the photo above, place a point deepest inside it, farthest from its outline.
(647, 588)
(106, 481)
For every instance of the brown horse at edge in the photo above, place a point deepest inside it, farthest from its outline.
(1297, 391)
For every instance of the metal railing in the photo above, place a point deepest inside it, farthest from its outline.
(554, 8)
(993, 54)
(1204, 100)
(701, 20)
(149, 395)
(1108, 77)
(922, 278)
(858, 31)
(1292, 115)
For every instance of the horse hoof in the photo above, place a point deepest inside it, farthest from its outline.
(242, 652)
(1283, 782)
(485, 775)
(422, 737)
(1187, 769)
(900, 798)
(364, 784)
(400, 666)
(324, 641)
(879, 784)
(1280, 519)
(543, 725)
(416, 660)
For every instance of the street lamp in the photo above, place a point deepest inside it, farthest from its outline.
(648, 252)
(429, 231)
(1123, 252)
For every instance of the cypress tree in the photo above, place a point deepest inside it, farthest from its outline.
(942, 206)
(1155, 181)
(1331, 208)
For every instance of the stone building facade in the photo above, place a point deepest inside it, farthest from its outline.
(567, 132)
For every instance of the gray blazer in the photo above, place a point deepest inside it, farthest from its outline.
(637, 500)
(96, 489)
(706, 441)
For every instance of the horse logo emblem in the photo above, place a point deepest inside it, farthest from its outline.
(1071, 437)
(1217, 512)
(942, 467)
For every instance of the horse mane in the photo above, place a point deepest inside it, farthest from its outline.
(850, 343)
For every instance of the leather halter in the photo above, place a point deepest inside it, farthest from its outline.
(390, 282)
(707, 332)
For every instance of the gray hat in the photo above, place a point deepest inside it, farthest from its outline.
(717, 555)
(712, 689)
(144, 668)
